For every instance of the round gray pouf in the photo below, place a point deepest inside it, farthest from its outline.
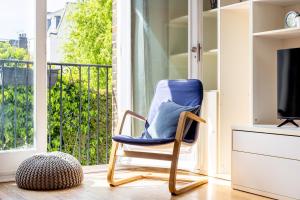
(49, 171)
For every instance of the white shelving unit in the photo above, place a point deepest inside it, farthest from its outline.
(226, 68)
(237, 6)
(287, 33)
(232, 3)
(278, 2)
(269, 36)
(240, 43)
(234, 73)
(249, 40)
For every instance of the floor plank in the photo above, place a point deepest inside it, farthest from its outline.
(96, 187)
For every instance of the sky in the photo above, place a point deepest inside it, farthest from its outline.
(17, 16)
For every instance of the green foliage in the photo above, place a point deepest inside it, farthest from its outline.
(79, 139)
(85, 140)
(14, 118)
(10, 52)
(90, 38)
(16, 125)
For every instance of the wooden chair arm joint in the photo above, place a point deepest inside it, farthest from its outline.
(134, 115)
(194, 117)
(181, 123)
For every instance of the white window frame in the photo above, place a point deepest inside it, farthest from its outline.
(124, 69)
(11, 159)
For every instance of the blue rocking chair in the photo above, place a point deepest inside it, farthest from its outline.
(173, 118)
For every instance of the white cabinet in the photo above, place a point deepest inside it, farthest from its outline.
(226, 68)
(207, 142)
(266, 161)
(249, 34)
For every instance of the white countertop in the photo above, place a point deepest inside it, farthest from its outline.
(272, 129)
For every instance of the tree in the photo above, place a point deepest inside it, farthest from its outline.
(90, 38)
(10, 52)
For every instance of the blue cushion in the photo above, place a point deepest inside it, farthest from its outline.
(164, 123)
(141, 141)
(183, 92)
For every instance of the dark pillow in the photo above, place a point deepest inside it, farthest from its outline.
(164, 123)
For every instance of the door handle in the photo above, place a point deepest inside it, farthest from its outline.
(194, 49)
(197, 50)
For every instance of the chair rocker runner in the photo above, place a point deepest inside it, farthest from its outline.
(179, 99)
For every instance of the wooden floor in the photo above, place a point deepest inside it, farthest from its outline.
(96, 187)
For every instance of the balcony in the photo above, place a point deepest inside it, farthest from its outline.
(79, 109)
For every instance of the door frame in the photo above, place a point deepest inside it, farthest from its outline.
(195, 39)
(124, 69)
(11, 159)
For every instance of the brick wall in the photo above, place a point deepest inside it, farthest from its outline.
(114, 64)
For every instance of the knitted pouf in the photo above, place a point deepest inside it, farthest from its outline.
(49, 171)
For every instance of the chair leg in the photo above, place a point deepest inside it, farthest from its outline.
(111, 169)
(173, 173)
(172, 178)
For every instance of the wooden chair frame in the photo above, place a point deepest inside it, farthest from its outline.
(167, 157)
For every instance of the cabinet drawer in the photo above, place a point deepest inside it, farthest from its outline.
(267, 144)
(266, 174)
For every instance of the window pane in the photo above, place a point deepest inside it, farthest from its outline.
(16, 73)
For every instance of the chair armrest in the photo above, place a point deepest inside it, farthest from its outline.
(133, 115)
(182, 120)
(194, 117)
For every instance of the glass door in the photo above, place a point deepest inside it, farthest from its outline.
(164, 38)
(22, 65)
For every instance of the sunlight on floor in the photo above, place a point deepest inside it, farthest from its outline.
(95, 186)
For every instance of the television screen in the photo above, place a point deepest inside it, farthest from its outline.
(288, 83)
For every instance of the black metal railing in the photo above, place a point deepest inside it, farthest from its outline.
(16, 106)
(79, 108)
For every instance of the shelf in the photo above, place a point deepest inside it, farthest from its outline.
(286, 33)
(237, 6)
(211, 13)
(279, 2)
(179, 56)
(211, 52)
(180, 21)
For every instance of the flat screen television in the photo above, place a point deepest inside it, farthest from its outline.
(288, 85)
